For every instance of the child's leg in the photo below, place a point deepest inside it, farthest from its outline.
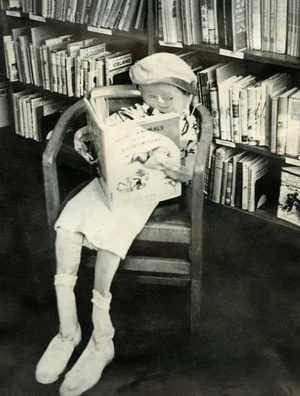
(100, 349)
(54, 360)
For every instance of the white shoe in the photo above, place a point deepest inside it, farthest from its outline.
(88, 369)
(56, 357)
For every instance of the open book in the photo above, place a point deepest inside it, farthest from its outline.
(129, 155)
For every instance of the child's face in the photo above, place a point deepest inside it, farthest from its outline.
(165, 97)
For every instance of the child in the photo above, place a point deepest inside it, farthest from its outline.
(167, 84)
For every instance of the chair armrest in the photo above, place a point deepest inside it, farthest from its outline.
(206, 126)
(49, 159)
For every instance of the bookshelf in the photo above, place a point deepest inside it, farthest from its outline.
(157, 38)
(265, 62)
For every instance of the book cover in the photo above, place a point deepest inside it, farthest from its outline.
(127, 157)
(239, 179)
(289, 196)
(38, 35)
(235, 158)
(281, 26)
(293, 126)
(282, 80)
(4, 108)
(238, 25)
(274, 113)
(245, 178)
(225, 106)
(117, 66)
(257, 188)
(235, 118)
(282, 114)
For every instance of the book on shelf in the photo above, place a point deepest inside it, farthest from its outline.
(253, 113)
(268, 86)
(235, 158)
(245, 178)
(239, 41)
(226, 178)
(224, 106)
(257, 188)
(293, 125)
(117, 67)
(282, 119)
(126, 155)
(289, 196)
(38, 36)
(281, 26)
(4, 107)
(222, 153)
(274, 117)
(10, 58)
(236, 113)
(265, 24)
(255, 24)
(239, 179)
(208, 175)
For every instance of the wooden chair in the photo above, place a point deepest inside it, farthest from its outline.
(183, 225)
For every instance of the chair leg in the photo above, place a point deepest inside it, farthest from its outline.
(195, 305)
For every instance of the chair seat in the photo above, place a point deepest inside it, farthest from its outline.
(168, 223)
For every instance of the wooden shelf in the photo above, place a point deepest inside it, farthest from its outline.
(266, 214)
(286, 61)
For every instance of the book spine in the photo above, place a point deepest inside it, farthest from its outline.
(256, 25)
(214, 102)
(229, 183)
(293, 128)
(273, 15)
(254, 175)
(235, 119)
(281, 125)
(281, 26)
(251, 116)
(204, 21)
(266, 25)
(274, 114)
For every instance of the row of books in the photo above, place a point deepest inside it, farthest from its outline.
(35, 114)
(62, 64)
(236, 179)
(252, 110)
(265, 25)
(108, 14)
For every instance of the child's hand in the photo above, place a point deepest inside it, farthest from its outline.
(81, 137)
(184, 174)
(159, 158)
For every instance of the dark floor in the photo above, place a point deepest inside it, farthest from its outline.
(249, 342)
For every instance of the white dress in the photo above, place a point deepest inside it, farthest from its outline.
(87, 213)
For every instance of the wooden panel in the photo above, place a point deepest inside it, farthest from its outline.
(155, 280)
(151, 264)
(164, 232)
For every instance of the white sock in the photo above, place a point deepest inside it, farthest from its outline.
(55, 358)
(97, 355)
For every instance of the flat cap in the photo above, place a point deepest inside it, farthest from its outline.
(165, 68)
